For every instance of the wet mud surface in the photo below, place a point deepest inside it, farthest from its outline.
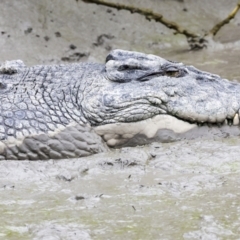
(181, 190)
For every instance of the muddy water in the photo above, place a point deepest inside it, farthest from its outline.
(181, 190)
(220, 59)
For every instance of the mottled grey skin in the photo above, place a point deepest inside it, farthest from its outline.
(50, 111)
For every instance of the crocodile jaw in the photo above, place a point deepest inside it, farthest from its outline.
(117, 134)
(163, 128)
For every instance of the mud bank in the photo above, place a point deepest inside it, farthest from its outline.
(182, 190)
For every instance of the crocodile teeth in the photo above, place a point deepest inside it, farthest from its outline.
(236, 120)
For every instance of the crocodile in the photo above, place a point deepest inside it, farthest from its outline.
(75, 110)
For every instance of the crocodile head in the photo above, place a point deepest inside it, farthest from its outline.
(148, 95)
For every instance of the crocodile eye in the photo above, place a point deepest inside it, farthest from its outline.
(173, 73)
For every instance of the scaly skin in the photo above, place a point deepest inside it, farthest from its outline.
(51, 111)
